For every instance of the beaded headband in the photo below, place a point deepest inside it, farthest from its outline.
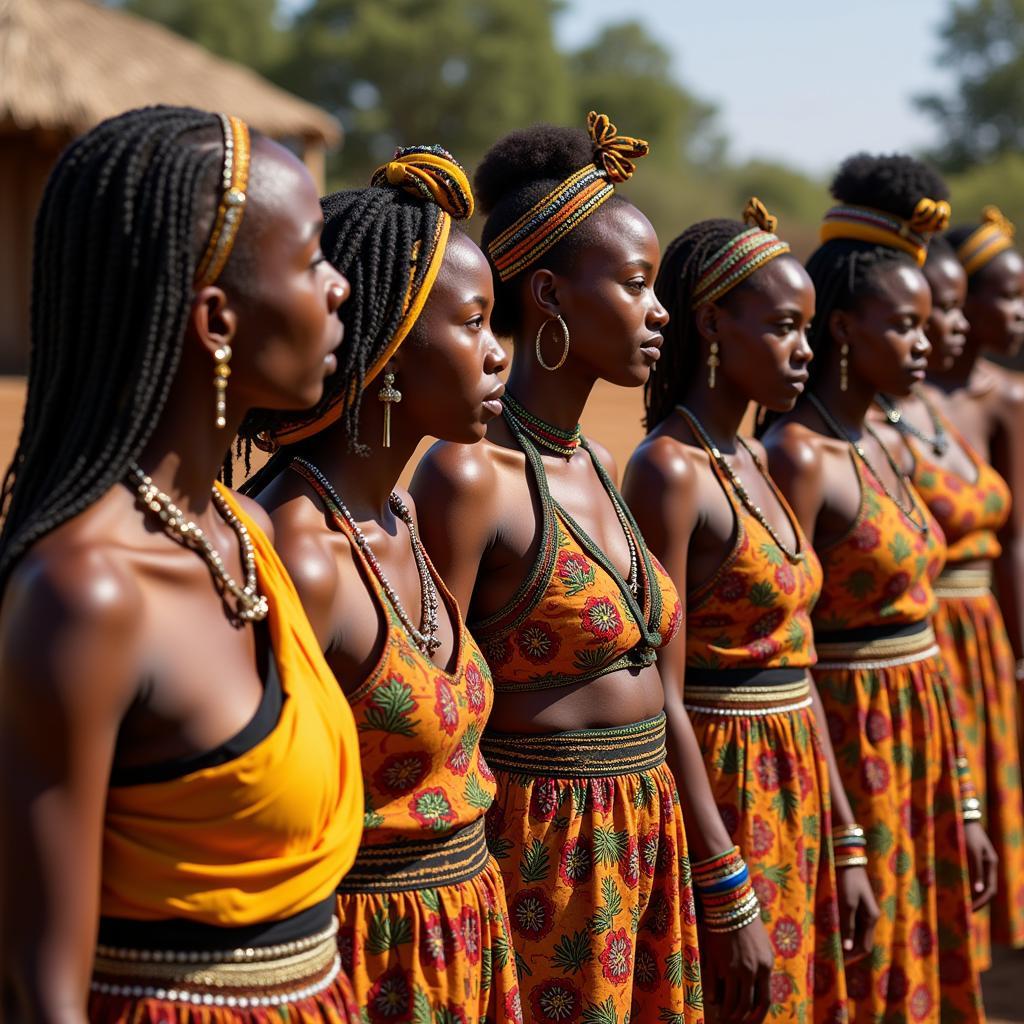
(741, 256)
(866, 224)
(983, 244)
(575, 199)
(433, 175)
(234, 182)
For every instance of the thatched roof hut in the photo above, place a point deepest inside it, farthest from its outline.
(65, 65)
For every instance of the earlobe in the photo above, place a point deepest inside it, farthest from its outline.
(212, 318)
(707, 321)
(839, 325)
(544, 291)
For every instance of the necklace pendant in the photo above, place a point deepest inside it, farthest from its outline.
(940, 446)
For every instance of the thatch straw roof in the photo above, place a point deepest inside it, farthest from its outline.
(67, 64)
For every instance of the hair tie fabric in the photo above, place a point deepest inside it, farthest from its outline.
(741, 256)
(565, 207)
(230, 209)
(878, 227)
(430, 173)
(981, 246)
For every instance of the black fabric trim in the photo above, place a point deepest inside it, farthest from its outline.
(868, 633)
(744, 676)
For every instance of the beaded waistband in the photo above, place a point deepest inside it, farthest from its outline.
(904, 646)
(261, 976)
(399, 867)
(748, 700)
(953, 582)
(580, 753)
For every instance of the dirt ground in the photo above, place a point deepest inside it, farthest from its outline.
(613, 418)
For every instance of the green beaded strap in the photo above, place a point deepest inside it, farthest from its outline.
(550, 507)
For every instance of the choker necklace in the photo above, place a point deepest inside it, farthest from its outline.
(544, 435)
(794, 556)
(840, 432)
(939, 441)
(425, 638)
(249, 604)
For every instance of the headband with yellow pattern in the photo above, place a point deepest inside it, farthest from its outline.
(741, 256)
(866, 224)
(981, 246)
(568, 205)
(228, 219)
(433, 175)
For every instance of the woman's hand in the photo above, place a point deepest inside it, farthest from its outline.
(737, 970)
(858, 912)
(981, 862)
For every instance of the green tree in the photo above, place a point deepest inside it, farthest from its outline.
(457, 72)
(983, 117)
(245, 31)
(627, 74)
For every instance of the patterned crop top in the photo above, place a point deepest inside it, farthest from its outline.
(880, 572)
(574, 618)
(970, 513)
(754, 612)
(419, 725)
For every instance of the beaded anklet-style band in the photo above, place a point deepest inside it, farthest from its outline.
(727, 898)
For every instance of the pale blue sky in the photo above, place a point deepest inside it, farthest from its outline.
(805, 81)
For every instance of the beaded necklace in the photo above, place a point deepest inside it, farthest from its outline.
(543, 434)
(249, 604)
(841, 433)
(425, 638)
(939, 441)
(794, 556)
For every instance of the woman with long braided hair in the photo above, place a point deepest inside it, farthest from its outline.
(180, 788)
(424, 924)
(573, 614)
(741, 306)
(879, 671)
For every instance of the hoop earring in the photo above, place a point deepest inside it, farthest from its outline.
(389, 395)
(221, 372)
(565, 339)
(713, 363)
(844, 367)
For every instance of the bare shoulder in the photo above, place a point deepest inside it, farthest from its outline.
(663, 464)
(255, 511)
(796, 448)
(1009, 392)
(456, 472)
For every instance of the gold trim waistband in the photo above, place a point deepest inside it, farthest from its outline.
(885, 652)
(748, 700)
(953, 582)
(240, 977)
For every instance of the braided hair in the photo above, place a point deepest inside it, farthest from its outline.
(677, 278)
(846, 270)
(516, 173)
(121, 228)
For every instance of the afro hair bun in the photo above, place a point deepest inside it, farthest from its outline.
(893, 183)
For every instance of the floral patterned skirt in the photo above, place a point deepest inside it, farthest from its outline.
(893, 739)
(420, 946)
(588, 833)
(980, 664)
(770, 781)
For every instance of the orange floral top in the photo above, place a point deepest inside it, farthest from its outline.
(419, 726)
(573, 618)
(970, 513)
(755, 611)
(880, 572)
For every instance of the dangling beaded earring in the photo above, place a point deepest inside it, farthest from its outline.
(844, 367)
(713, 363)
(388, 394)
(221, 372)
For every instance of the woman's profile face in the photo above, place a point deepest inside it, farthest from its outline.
(761, 330)
(995, 303)
(607, 300)
(885, 331)
(286, 304)
(448, 371)
(947, 326)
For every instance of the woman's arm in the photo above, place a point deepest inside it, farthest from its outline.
(661, 488)
(67, 676)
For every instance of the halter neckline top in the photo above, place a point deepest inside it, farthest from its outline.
(880, 571)
(574, 618)
(754, 611)
(419, 725)
(969, 512)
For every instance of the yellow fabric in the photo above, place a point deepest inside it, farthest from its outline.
(262, 836)
(981, 246)
(874, 235)
(442, 178)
